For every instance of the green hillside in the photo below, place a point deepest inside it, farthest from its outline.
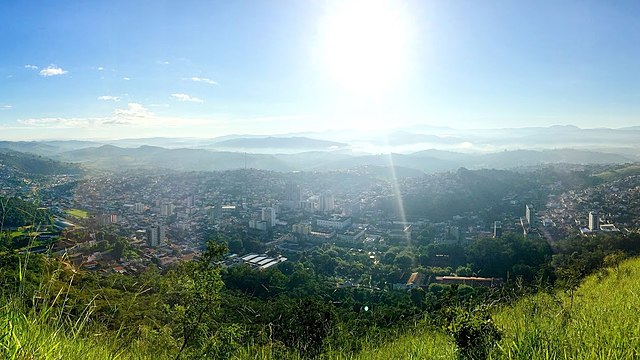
(602, 322)
(599, 320)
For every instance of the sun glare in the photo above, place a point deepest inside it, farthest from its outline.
(364, 45)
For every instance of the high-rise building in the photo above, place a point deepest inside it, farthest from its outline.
(326, 203)
(156, 236)
(152, 237)
(167, 209)
(530, 215)
(497, 229)
(292, 195)
(190, 201)
(138, 208)
(594, 221)
(269, 215)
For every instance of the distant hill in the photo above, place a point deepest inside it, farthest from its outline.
(517, 158)
(116, 158)
(279, 143)
(183, 159)
(33, 147)
(35, 164)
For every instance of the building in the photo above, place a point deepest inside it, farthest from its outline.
(107, 219)
(352, 235)
(497, 229)
(326, 203)
(190, 201)
(530, 214)
(269, 215)
(139, 208)
(258, 225)
(409, 281)
(166, 209)
(155, 236)
(262, 261)
(302, 229)
(594, 221)
(334, 222)
(292, 195)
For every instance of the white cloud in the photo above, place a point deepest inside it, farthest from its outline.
(163, 62)
(135, 115)
(100, 68)
(6, 107)
(126, 78)
(133, 110)
(109, 98)
(59, 122)
(204, 80)
(31, 67)
(52, 70)
(185, 97)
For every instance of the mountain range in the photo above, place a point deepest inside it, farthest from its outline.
(421, 149)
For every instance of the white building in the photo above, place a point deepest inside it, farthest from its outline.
(334, 222)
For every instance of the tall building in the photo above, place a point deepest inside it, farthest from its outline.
(156, 236)
(292, 195)
(326, 203)
(190, 201)
(138, 208)
(167, 209)
(531, 215)
(497, 229)
(269, 215)
(152, 237)
(594, 221)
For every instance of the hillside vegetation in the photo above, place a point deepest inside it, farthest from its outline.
(597, 320)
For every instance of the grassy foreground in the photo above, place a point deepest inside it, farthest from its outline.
(603, 322)
(600, 321)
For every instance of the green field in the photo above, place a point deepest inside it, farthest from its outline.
(78, 214)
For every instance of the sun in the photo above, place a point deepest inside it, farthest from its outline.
(364, 45)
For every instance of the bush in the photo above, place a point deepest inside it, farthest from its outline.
(474, 332)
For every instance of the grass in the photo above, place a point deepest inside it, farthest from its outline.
(603, 322)
(77, 213)
(31, 336)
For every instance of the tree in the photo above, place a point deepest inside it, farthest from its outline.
(404, 261)
(202, 283)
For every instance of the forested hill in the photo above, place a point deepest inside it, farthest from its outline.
(35, 164)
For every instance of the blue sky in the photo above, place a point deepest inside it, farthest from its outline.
(121, 69)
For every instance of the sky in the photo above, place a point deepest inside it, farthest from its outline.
(131, 69)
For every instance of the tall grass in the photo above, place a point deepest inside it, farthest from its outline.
(602, 323)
